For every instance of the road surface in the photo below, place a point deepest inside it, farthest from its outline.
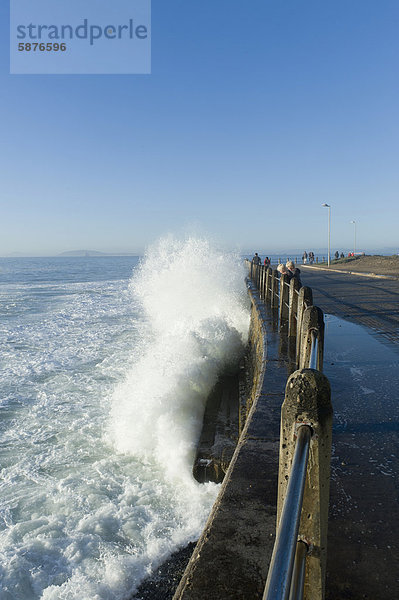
(365, 300)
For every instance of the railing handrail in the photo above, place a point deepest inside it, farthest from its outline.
(279, 579)
(313, 361)
(289, 558)
(292, 307)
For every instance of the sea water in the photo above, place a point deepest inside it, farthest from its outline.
(106, 363)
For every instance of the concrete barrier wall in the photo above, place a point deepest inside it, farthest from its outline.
(232, 556)
(255, 357)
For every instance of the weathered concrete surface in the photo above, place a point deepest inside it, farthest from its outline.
(308, 401)
(232, 556)
(220, 430)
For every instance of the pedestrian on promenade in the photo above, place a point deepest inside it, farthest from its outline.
(256, 259)
(336, 255)
(311, 257)
(267, 262)
(304, 257)
(295, 272)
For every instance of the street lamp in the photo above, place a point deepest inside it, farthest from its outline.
(329, 228)
(354, 240)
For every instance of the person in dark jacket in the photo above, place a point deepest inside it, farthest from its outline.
(295, 272)
(256, 259)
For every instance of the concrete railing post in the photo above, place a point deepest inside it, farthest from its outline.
(308, 401)
(284, 297)
(274, 288)
(295, 287)
(265, 284)
(262, 283)
(305, 299)
(312, 319)
(268, 282)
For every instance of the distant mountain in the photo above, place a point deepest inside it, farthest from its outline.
(83, 253)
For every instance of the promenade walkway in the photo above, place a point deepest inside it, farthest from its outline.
(363, 548)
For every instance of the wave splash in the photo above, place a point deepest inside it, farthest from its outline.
(79, 520)
(196, 319)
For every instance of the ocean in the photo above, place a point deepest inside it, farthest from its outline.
(106, 363)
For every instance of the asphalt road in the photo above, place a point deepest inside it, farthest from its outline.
(364, 300)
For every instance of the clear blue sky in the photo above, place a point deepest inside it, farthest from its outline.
(254, 115)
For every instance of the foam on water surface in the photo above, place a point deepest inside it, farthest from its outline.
(103, 390)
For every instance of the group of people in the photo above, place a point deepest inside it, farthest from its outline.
(290, 270)
(306, 256)
(256, 260)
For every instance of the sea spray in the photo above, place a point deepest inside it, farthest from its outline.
(103, 392)
(195, 307)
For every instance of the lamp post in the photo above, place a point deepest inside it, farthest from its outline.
(329, 228)
(354, 240)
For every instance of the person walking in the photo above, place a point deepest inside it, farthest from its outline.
(304, 257)
(256, 260)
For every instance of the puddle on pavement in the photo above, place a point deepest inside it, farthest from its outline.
(365, 376)
(363, 549)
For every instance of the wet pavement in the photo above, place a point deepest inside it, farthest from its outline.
(362, 363)
(363, 548)
(364, 300)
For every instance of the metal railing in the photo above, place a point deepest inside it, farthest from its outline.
(294, 304)
(297, 568)
(280, 579)
(313, 361)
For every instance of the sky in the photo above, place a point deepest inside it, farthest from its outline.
(255, 114)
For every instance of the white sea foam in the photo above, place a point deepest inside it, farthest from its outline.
(104, 386)
(194, 303)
